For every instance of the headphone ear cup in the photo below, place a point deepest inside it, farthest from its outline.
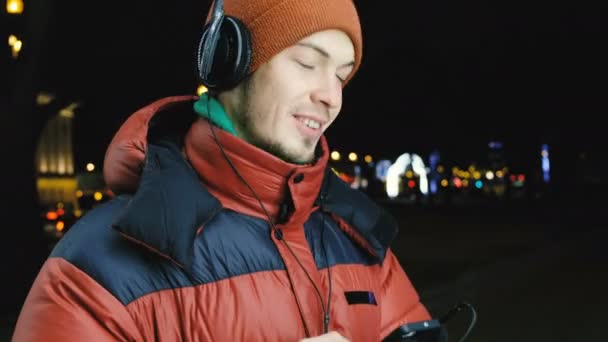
(232, 58)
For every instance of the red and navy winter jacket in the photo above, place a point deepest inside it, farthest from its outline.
(188, 254)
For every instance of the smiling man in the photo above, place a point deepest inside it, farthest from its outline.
(230, 225)
(287, 118)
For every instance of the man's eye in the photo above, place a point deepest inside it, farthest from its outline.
(306, 66)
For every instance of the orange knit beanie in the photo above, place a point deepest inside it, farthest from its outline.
(277, 24)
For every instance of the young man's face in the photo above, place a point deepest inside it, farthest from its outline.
(287, 104)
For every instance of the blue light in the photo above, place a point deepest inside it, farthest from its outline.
(479, 184)
(433, 186)
(434, 159)
(546, 164)
(382, 169)
(495, 145)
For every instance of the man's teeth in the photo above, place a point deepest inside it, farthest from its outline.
(311, 123)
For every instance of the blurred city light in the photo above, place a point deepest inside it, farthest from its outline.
(60, 226)
(546, 164)
(489, 175)
(368, 159)
(90, 167)
(393, 177)
(421, 171)
(14, 6)
(495, 145)
(15, 44)
(382, 169)
(433, 187)
(98, 196)
(43, 98)
(335, 155)
(201, 90)
(68, 112)
(352, 157)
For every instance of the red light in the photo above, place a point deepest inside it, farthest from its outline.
(457, 182)
(51, 215)
(512, 177)
(347, 178)
(60, 212)
(521, 178)
(411, 184)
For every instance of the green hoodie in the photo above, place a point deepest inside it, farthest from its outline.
(217, 116)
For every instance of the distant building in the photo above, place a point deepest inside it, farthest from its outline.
(56, 181)
(64, 193)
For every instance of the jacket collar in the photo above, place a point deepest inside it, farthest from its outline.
(373, 223)
(287, 191)
(170, 206)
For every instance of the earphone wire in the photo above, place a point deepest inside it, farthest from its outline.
(279, 235)
(321, 209)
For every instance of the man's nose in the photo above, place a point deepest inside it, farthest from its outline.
(328, 93)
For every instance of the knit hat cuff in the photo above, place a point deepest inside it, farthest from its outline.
(292, 20)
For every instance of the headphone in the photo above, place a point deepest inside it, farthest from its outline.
(224, 51)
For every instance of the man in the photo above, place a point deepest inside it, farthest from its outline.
(230, 226)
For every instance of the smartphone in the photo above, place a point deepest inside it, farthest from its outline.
(423, 331)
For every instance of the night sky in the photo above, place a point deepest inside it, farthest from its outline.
(436, 74)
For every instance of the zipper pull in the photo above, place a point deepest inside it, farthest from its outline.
(326, 323)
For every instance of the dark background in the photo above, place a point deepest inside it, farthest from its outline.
(442, 75)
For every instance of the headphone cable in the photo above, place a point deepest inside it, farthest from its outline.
(459, 308)
(279, 235)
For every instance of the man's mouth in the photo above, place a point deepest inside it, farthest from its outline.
(309, 126)
(310, 123)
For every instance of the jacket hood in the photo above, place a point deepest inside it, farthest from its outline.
(126, 153)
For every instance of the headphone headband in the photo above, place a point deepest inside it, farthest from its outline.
(208, 46)
(224, 50)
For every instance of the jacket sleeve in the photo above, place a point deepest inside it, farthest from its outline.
(399, 301)
(65, 304)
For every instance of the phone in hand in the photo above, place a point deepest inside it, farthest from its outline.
(423, 331)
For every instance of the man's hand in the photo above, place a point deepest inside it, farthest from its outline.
(329, 337)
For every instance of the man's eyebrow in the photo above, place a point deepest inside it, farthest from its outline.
(323, 53)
